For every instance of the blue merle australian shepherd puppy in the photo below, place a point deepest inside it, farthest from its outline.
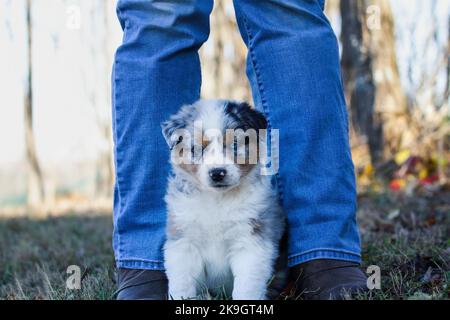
(224, 223)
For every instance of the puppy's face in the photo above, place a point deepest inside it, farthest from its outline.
(216, 143)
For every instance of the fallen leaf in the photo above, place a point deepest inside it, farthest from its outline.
(402, 156)
(394, 214)
(397, 184)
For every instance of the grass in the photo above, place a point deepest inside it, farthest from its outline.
(35, 254)
(408, 238)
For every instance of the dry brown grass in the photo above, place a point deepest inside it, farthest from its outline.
(408, 237)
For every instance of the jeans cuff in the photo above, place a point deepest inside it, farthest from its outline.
(323, 254)
(140, 265)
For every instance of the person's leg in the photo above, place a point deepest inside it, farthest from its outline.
(156, 71)
(293, 67)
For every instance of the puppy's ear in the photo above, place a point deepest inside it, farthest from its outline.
(245, 117)
(256, 118)
(177, 122)
(168, 129)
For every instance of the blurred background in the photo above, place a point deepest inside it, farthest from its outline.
(56, 169)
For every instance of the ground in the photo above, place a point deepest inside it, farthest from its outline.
(407, 237)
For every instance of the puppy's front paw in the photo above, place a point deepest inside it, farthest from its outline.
(249, 296)
(246, 290)
(183, 268)
(187, 293)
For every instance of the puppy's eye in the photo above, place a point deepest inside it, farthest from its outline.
(235, 145)
(194, 147)
(180, 139)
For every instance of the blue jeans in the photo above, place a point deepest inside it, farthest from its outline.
(293, 68)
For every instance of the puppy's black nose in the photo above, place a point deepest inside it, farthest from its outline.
(217, 175)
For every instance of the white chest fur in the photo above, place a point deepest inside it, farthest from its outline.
(207, 230)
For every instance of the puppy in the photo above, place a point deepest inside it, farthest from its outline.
(224, 221)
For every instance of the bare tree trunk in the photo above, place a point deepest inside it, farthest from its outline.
(219, 23)
(224, 57)
(378, 105)
(35, 195)
(106, 159)
(357, 74)
(447, 86)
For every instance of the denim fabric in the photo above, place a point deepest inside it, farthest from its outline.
(293, 68)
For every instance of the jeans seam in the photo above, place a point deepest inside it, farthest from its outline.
(323, 253)
(322, 4)
(119, 246)
(260, 85)
(140, 264)
(324, 250)
(139, 260)
(116, 161)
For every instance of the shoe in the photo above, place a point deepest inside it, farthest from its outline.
(328, 280)
(141, 285)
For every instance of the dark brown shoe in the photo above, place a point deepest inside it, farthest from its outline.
(141, 285)
(327, 280)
